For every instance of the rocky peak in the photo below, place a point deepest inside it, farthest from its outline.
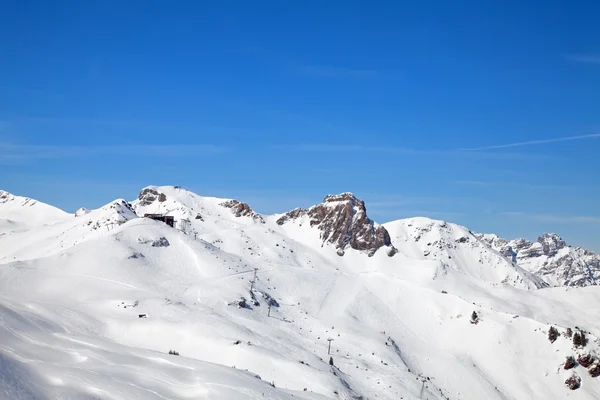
(149, 195)
(520, 244)
(550, 258)
(551, 243)
(347, 196)
(343, 222)
(240, 209)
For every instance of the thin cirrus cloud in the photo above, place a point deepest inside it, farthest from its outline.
(554, 218)
(18, 152)
(533, 142)
(586, 58)
(322, 71)
(513, 184)
(394, 150)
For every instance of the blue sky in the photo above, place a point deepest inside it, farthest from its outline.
(480, 113)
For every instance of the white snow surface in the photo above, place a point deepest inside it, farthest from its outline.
(90, 307)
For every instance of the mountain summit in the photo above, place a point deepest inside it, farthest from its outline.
(343, 222)
(550, 258)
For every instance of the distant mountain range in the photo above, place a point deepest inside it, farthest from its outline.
(96, 304)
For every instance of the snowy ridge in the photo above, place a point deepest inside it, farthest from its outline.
(551, 259)
(21, 213)
(91, 306)
(54, 238)
(457, 248)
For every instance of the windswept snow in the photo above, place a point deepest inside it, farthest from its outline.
(91, 306)
(22, 213)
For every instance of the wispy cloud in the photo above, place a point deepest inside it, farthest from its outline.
(322, 71)
(554, 218)
(586, 58)
(19, 152)
(533, 142)
(514, 184)
(394, 150)
(345, 148)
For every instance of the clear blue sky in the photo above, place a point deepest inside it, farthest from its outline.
(436, 108)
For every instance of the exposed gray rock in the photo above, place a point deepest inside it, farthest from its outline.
(551, 243)
(343, 222)
(161, 242)
(551, 259)
(148, 196)
(240, 209)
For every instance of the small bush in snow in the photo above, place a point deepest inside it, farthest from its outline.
(585, 360)
(474, 318)
(331, 361)
(595, 371)
(552, 334)
(573, 382)
(579, 339)
(570, 362)
(173, 352)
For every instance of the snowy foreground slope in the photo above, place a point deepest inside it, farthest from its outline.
(91, 305)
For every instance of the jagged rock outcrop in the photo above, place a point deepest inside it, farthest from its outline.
(550, 258)
(456, 248)
(148, 196)
(240, 209)
(343, 222)
(551, 243)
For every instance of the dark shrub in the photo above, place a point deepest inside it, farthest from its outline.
(570, 362)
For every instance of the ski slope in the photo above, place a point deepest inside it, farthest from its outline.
(92, 313)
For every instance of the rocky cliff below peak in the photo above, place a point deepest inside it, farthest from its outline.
(149, 195)
(343, 222)
(240, 209)
(551, 243)
(550, 258)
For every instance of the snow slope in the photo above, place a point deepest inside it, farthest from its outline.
(551, 259)
(71, 298)
(22, 213)
(457, 248)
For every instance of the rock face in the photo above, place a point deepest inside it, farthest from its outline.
(551, 259)
(148, 196)
(240, 209)
(343, 222)
(456, 248)
(5, 196)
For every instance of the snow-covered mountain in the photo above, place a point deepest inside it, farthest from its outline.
(457, 248)
(550, 258)
(21, 213)
(91, 305)
(343, 221)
